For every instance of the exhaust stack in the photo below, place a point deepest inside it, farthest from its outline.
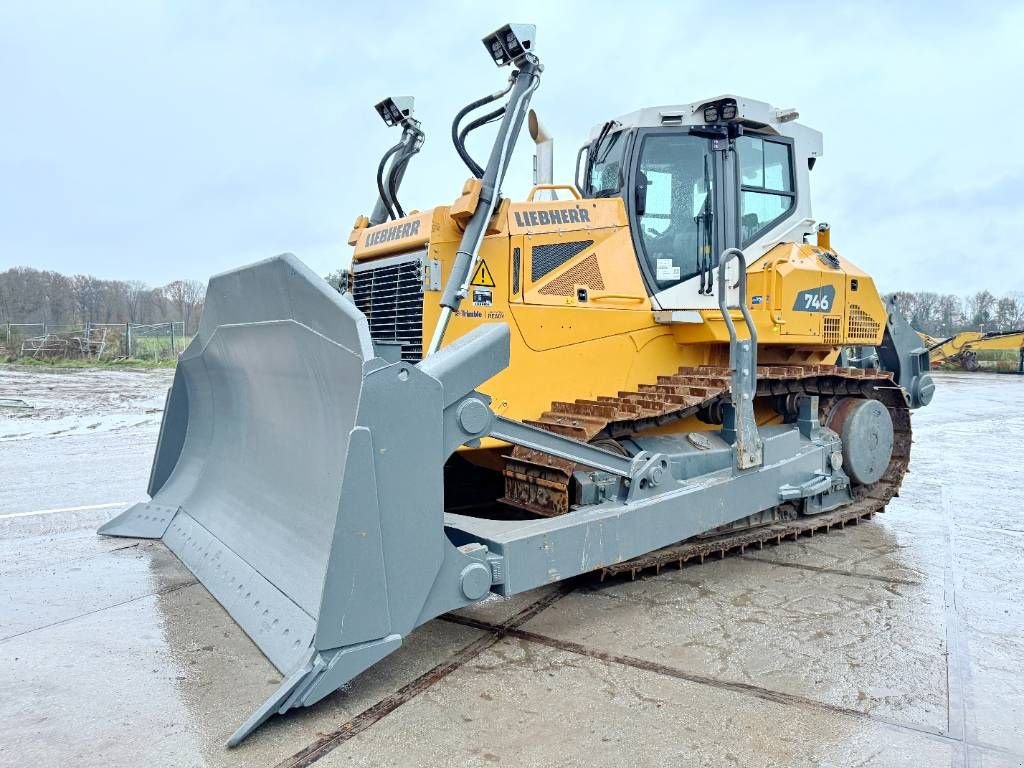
(544, 158)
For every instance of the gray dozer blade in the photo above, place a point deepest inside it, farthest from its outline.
(299, 477)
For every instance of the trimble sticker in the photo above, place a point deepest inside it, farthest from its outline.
(548, 216)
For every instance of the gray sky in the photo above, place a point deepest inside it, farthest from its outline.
(155, 141)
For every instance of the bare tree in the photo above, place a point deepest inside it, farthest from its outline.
(134, 290)
(1006, 313)
(88, 295)
(1017, 322)
(187, 296)
(906, 303)
(979, 308)
(925, 311)
(949, 315)
(338, 280)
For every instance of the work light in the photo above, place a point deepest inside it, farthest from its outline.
(394, 111)
(510, 43)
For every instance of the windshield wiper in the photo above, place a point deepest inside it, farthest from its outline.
(703, 220)
(596, 156)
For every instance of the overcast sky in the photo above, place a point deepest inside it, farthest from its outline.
(154, 141)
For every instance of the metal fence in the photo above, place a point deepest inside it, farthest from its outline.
(160, 340)
(99, 341)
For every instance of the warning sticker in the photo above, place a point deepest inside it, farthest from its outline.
(666, 270)
(482, 277)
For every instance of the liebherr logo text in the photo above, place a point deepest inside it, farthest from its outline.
(541, 218)
(396, 232)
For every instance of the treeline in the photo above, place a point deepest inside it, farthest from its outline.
(34, 296)
(943, 315)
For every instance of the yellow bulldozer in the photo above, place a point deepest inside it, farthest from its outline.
(511, 393)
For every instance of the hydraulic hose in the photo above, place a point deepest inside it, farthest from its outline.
(395, 176)
(388, 205)
(490, 117)
(473, 166)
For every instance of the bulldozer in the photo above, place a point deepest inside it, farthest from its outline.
(506, 394)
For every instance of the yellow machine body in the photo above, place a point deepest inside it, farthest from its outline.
(566, 346)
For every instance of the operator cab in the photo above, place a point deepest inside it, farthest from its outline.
(699, 178)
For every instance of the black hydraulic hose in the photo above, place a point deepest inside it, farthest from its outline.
(474, 168)
(397, 169)
(380, 180)
(490, 117)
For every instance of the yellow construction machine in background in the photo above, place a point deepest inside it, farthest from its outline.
(975, 351)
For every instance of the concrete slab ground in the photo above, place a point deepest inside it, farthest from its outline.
(895, 642)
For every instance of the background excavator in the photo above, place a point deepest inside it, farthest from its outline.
(974, 350)
(512, 393)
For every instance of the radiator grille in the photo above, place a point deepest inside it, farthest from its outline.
(587, 273)
(391, 297)
(862, 326)
(548, 257)
(831, 329)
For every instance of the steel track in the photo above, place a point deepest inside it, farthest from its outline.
(540, 483)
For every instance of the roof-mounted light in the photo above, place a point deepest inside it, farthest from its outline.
(395, 110)
(720, 111)
(511, 43)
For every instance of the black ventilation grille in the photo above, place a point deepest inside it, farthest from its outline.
(549, 257)
(829, 259)
(515, 271)
(391, 297)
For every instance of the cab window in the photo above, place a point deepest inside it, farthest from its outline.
(675, 215)
(766, 184)
(604, 172)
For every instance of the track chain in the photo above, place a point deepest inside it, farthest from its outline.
(540, 483)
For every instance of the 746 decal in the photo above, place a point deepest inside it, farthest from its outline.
(815, 300)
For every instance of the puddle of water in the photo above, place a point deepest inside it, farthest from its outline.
(46, 404)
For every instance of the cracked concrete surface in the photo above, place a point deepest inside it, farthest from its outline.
(895, 642)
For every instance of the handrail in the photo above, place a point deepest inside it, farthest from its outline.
(540, 187)
(617, 298)
(728, 255)
(749, 449)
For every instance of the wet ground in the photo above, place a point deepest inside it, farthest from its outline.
(895, 642)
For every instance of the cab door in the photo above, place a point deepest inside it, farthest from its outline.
(682, 215)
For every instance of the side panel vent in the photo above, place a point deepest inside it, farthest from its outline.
(587, 273)
(554, 255)
(831, 329)
(863, 327)
(515, 271)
